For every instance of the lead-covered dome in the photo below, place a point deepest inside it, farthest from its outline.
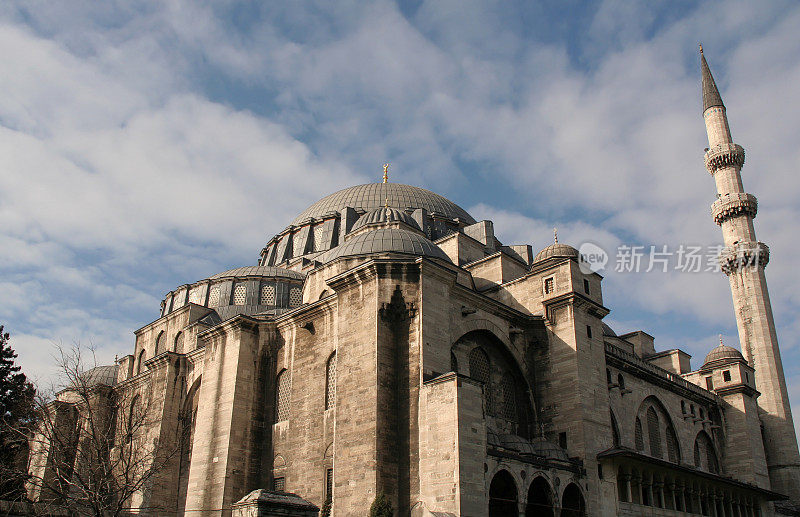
(384, 215)
(375, 195)
(105, 375)
(722, 354)
(386, 240)
(557, 250)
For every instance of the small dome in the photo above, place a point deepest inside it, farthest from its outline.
(263, 271)
(384, 215)
(386, 240)
(106, 375)
(557, 250)
(722, 354)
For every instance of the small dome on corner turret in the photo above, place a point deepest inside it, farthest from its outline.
(722, 354)
(556, 250)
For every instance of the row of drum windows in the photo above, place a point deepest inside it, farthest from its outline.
(262, 293)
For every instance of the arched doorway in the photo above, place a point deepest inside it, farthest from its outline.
(540, 499)
(503, 495)
(572, 503)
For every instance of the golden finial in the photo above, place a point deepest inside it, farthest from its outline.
(555, 236)
(701, 48)
(386, 173)
(720, 340)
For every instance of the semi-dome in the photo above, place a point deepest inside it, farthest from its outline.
(556, 250)
(384, 215)
(722, 354)
(375, 195)
(386, 240)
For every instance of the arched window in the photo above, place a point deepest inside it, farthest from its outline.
(503, 495)
(608, 377)
(160, 343)
(654, 432)
(705, 456)
(673, 448)
(479, 365)
(639, 435)
(178, 343)
(282, 393)
(140, 361)
(330, 382)
(621, 381)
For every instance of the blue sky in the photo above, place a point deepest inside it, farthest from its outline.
(150, 144)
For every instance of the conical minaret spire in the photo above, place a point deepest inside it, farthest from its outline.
(711, 96)
(743, 259)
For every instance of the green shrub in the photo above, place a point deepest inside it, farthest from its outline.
(381, 507)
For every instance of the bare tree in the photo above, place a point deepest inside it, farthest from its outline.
(98, 447)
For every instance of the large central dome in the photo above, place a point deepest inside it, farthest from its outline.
(375, 195)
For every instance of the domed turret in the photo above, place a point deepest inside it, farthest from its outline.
(556, 250)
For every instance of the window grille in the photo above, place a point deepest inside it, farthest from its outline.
(654, 432)
(279, 484)
(548, 285)
(295, 297)
(196, 295)
(239, 294)
(479, 365)
(673, 449)
(319, 243)
(330, 382)
(282, 391)
(267, 294)
(639, 435)
(328, 485)
(508, 408)
(213, 297)
(298, 244)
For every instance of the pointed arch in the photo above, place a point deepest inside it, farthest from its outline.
(614, 430)
(705, 454)
(660, 435)
(572, 502)
(639, 435)
(140, 361)
(503, 495)
(540, 499)
(160, 342)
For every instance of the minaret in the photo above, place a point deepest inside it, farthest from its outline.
(743, 259)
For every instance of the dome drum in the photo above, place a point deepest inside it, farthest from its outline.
(247, 290)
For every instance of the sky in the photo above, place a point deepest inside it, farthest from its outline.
(148, 144)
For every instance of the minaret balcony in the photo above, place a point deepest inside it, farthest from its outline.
(743, 255)
(732, 205)
(724, 155)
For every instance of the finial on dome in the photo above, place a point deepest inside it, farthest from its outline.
(555, 236)
(720, 340)
(386, 204)
(386, 173)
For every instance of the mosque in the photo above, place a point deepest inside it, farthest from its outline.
(388, 343)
